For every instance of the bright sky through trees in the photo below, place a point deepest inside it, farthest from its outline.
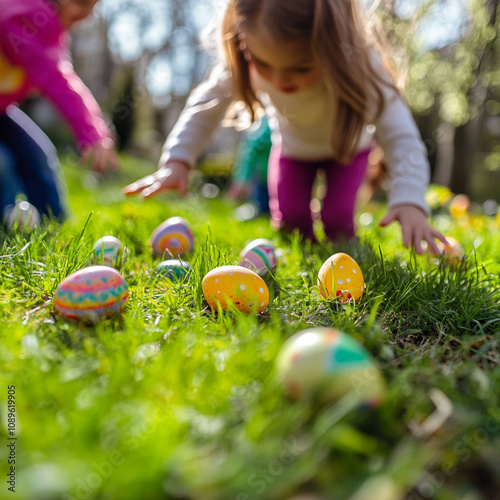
(136, 25)
(443, 25)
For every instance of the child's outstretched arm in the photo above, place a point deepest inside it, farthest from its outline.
(202, 114)
(415, 227)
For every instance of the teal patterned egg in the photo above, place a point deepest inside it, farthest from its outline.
(177, 271)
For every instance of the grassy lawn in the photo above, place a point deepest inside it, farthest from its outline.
(171, 401)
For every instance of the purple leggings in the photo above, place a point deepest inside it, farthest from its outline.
(290, 184)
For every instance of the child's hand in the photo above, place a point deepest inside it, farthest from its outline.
(101, 156)
(415, 227)
(173, 176)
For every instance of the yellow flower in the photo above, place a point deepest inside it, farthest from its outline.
(459, 205)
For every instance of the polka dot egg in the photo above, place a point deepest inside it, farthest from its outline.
(259, 256)
(326, 364)
(235, 286)
(175, 270)
(172, 237)
(341, 277)
(108, 250)
(91, 294)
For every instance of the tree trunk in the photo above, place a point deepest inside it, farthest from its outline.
(465, 148)
(444, 142)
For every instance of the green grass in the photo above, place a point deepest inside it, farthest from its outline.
(172, 401)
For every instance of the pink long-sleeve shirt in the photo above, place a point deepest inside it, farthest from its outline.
(34, 54)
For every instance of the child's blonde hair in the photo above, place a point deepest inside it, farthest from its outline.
(341, 40)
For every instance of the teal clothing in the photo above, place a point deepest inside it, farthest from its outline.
(253, 154)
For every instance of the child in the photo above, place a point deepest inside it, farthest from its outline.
(34, 54)
(249, 179)
(323, 81)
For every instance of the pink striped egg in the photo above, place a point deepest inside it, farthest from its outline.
(259, 256)
(91, 294)
(172, 237)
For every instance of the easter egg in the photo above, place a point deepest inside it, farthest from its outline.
(235, 286)
(341, 277)
(91, 294)
(175, 270)
(453, 252)
(172, 237)
(259, 256)
(109, 250)
(22, 215)
(326, 364)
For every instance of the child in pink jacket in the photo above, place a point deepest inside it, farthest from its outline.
(34, 56)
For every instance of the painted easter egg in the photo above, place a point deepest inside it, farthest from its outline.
(175, 270)
(91, 294)
(109, 251)
(326, 364)
(235, 286)
(23, 216)
(341, 277)
(172, 237)
(259, 256)
(453, 252)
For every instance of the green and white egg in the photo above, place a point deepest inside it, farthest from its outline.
(109, 251)
(326, 364)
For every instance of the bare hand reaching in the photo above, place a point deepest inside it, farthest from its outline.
(415, 227)
(173, 176)
(101, 156)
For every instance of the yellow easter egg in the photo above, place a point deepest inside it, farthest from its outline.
(341, 277)
(235, 286)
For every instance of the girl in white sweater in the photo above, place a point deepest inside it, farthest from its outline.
(317, 70)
